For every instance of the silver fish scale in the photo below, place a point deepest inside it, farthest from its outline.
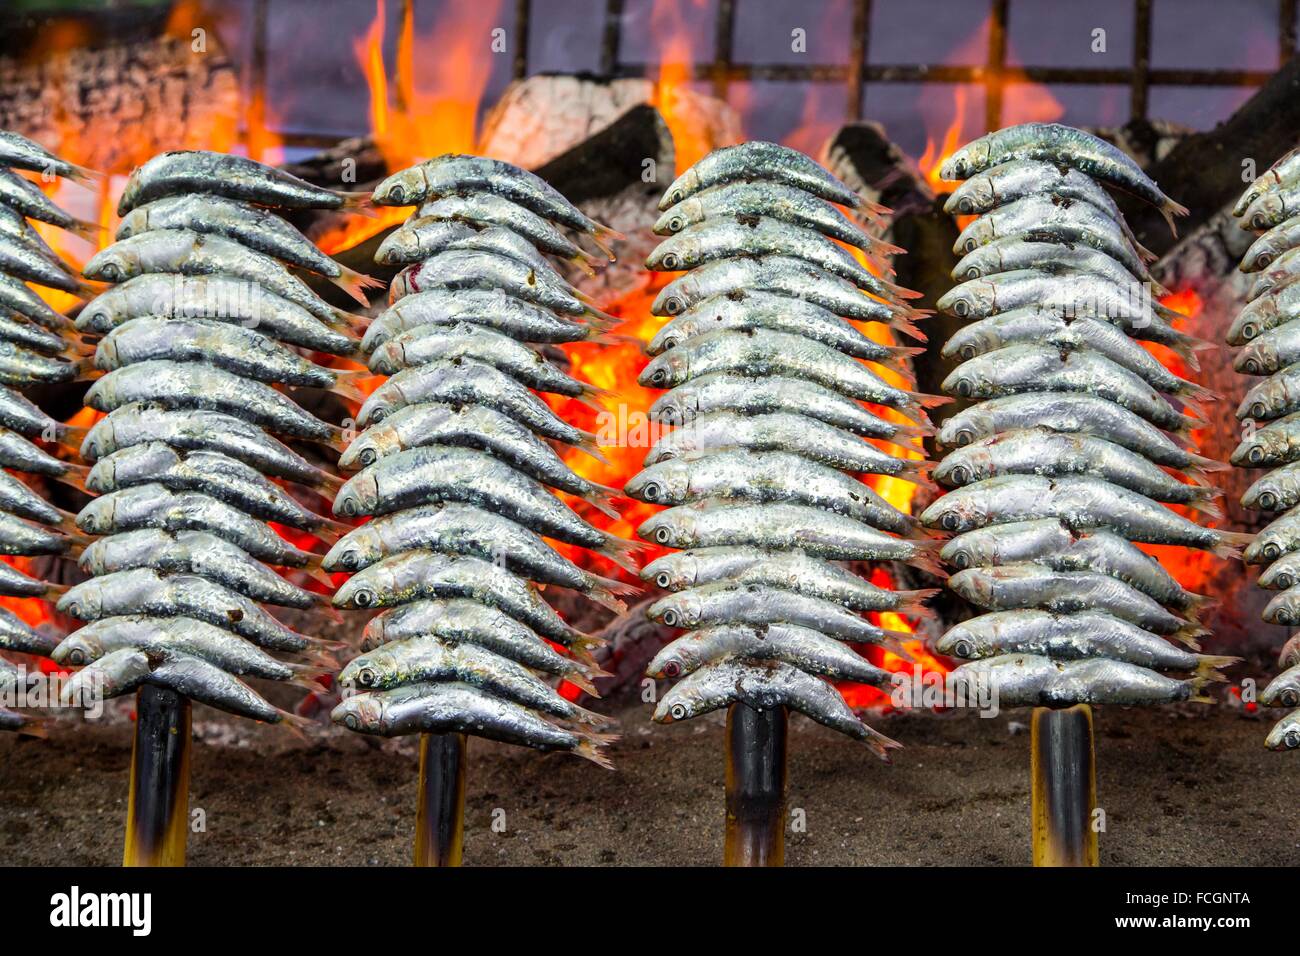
(1058, 466)
(455, 467)
(1267, 329)
(200, 360)
(37, 345)
(762, 475)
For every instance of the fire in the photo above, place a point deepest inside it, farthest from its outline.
(934, 157)
(676, 62)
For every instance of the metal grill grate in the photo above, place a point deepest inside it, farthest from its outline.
(994, 75)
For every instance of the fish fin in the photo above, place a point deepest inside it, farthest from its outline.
(1198, 604)
(345, 385)
(53, 591)
(601, 498)
(1208, 666)
(356, 201)
(911, 431)
(71, 436)
(927, 560)
(896, 641)
(898, 292)
(1230, 543)
(588, 445)
(879, 744)
(589, 748)
(355, 283)
(90, 178)
(84, 229)
(591, 718)
(1191, 391)
(35, 727)
(1206, 504)
(1169, 210)
(613, 338)
(600, 321)
(582, 261)
(602, 235)
(346, 321)
(296, 724)
(1186, 351)
(904, 324)
(318, 574)
(622, 552)
(917, 470)
(604, 599)
(921, 400)
(583, 680)
(75, 477)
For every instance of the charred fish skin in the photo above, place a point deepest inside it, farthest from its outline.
(454, 467)
(1063, 462)
(767, 476)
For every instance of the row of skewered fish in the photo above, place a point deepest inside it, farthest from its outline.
(1077, 437)
(1269, 336)
(206, 331)
(37, 345)
(457, 469)
(766, 369)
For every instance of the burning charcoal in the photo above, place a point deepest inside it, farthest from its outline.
(766, 375)
(459, 475)
(1058, 468)
(1268, 335)
(200, 335)
(37, 345)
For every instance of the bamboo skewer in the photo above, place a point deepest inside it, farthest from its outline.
(440, 816)
(157, 813)
(1063, 767)
(756, 782)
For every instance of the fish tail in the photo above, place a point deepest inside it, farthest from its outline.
(346, 321)
(590, 717)
(1191, 391)
(1209, 665)
(878, 743)
(589, 748)
(587, 444)
(600, 321)
(75, 478)
(345, 385)
(85, 229)
(1198, 604)
(927, 560)
(901, 366)
(606, 600)
(355, 283)
(90, 178)
(582, 679)
(1169, 209)
(602, 235)
(358, 202)
(917, 469)
(921, 400)
(296, 724)
(1230, 543)
(870, 207)
(318, 574)
(1186, 351)
(912, 431)
(622, 552)
(902, 323)
(612, 338)
(602, 499)
(898, 292)
(1205, 503)
(896, 642)
(582, 261)
(71, 436)
(52, 591)
(35, 727)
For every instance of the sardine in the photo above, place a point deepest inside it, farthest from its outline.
(756, 160)
(522, 321)
(809, 650)
(19, 152)
(490, 209)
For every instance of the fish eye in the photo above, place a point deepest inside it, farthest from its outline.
(961, 560)
(1271, 551)
(672, 669)
(1267, 501)
(1256, 455)
(965, 205)
(950, 521)
(670, 262)
(352, 722)
(679, 713)
(960, 475)
(663, 579)
(1265, 258)
(1261, 221)
(651, 491)
(971, 245)
(349, 559)
(674, 305)
(1292, 739)
(367, 456)
(964, 388)
(1285, 580)
(973, 272)
(348, 507)
(74, 609)
(1283, 617)
(964, 437)
(379, 414)
(1249, 331)
(1289, 698)
(397, 194)
(968, 352)
(77, 657)
(659, 376)
(962, 649)
(1250, 366)
(1258, 410)
(670, 342)
(364, 598)
(670, 618)
(110, 272)
(675, 224)
(663, 535)
(961, 308)
(675, 196)
(366, 677)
